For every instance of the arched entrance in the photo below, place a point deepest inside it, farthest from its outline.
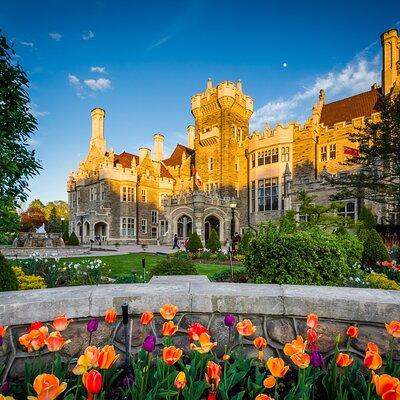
(211, 222)
(86, 231)
(79, 230)
(101, 230)
(184, 227)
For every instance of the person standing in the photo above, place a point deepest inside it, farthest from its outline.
(176, 245)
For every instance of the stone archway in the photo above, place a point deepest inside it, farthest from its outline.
(211, 222)
(86, 231)
(184, 227)
(100, 230)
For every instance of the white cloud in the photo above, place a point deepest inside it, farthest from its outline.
(32, 142)
(28, 44)
(161, 41)
(33, 109)
(100, 70)
(87, 35)
(55, 36)
(357, 76)
(98, 84)
(74, 80)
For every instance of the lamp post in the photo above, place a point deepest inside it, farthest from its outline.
(233, 206)
(62, 226)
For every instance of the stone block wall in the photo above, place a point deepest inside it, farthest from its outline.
(278, 312)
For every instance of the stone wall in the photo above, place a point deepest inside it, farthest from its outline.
(53, 252)
(278, 312)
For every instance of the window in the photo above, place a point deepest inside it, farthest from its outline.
(162, 198)
(237, 190)
(234, 131)
(102, 191)
(268, 194)
(163, 227)
(324, 154)
(93, 193)
(261, 158)
(285, 154)
(237, 164)
(144, 195)
(253, 160)
(72, 200)
(127, 227)
(79, 198)
(154, 232)
(275, 155)
(240, 136)
(349, 210)
(268, 155)
(210, 164)
(332, 151)
(143, 226)
(154, 217)
(253, 196)
(127, 193)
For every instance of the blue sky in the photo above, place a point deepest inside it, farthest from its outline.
(142, 62)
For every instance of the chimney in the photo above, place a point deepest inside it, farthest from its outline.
(158, 146)
(97, 141)
(191, 131)
(143, 152)
(239, 85)
(209, 84)
(390, 57)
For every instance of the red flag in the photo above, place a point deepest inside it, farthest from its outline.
(350, 151)
(197, 178)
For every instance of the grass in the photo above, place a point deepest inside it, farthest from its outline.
(126, 263)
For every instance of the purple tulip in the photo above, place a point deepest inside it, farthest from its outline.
(128, 380)
(229, 320)
(317, 361)
(5, 388)
(1, 341)
(149, 343)
(92, 325)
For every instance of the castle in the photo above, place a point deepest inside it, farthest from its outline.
(226, 178)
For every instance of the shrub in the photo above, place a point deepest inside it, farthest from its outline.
(374, 248)
(73, 240)
(245, 242)
(239, 257)
(65, 237)
(8, 280)
(26, 282)
(239, 276)
(367, 218)
(124, 278)
(311, 257)
(351, 245)
(213, 243)
(173, 266)
(381, 281)
(205, 255)
(194, 243)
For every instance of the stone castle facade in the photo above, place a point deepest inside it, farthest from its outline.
(226, 177)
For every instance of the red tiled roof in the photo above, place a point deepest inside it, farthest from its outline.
(360, 105)
(125, 159)
(165, 173)
(176, 156)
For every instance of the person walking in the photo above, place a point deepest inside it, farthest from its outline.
(176, 245)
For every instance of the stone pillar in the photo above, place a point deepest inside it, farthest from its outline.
(190, 136)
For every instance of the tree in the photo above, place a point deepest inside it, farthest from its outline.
(194, 243)
(17, 162)
(377, 161)
(31, 219)
(367, 218)
(73, 240)
(8, 279)
(61, 207)
(37, 203)
(375, 250)
(54, 224)
(213, 243)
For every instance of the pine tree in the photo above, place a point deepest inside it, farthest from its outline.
(194, 243)
(213, 243)
(73, 240)
(54, 224)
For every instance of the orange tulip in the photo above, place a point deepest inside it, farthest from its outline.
(263, 397)
(93, 382)
(61, 322)
(146, 318)
(168, 311)
(260, 343)
(171, 354)
(205, 344)
(47, 387)
(213, 375)
(372, 360)
(277, 367)
(302, 360)
(312, 335)
(3, 330)
(180, 381)
(55, 342)
(107, 357)
(371, 346)
(393, 328)
(226, 357)
(391, 395)
(35, 339)
(352, 331)
(312, 320)
(343, 360)
(297, 345)
(111, 316)
(269, 382)
(385, 383)
(169, 328)
(89, 359)
(245, 328)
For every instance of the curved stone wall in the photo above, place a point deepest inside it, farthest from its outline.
(278, 312)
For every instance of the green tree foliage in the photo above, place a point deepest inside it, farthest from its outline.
(378, 168)
(173, 266)
(17, 162)
(9, 224)
(374, 248)
(8, 279)
(367, 218)
(37, 203)
(213, 243)
(54, 222)
(245, 242)
(73, 240)
(194, 243)
(31, 219)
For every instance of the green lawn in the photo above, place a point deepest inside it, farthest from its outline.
(125, 263)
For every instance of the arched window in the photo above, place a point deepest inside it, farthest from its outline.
(185, 227)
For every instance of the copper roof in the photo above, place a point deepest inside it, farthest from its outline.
(125, 159)
(360, 105)
(176, 156)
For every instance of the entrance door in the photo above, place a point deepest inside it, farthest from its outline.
(211, 222)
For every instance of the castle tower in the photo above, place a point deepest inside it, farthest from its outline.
(222, 116)
(390, 41)
(158, 146)
(97, 146)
